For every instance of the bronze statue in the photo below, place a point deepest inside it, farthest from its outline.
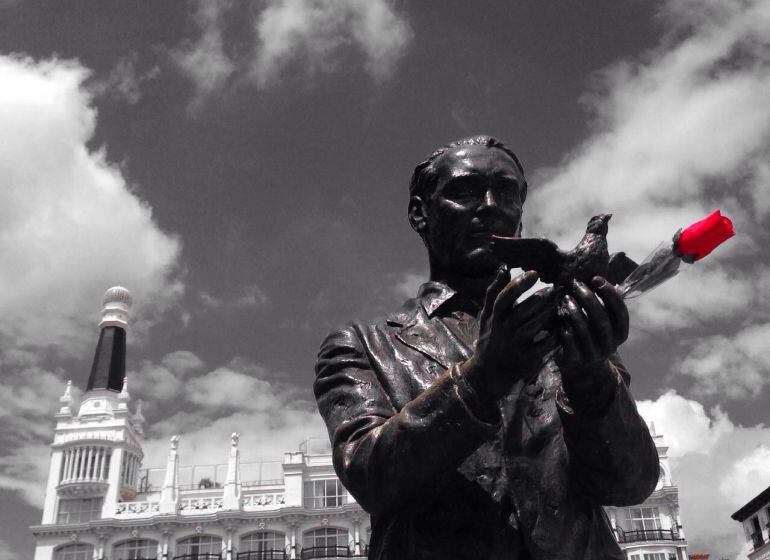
(472, 425)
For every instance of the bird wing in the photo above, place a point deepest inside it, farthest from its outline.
(620, 267)
(530, 253)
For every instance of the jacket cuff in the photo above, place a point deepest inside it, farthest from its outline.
(480, 411)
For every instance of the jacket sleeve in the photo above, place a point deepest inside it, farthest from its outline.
(387, 457)
(613, 460)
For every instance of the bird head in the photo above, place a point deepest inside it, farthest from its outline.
(598, 224)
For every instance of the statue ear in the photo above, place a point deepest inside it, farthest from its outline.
(418, 216)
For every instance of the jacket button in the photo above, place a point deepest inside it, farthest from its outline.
(535, 411)
(534, 390)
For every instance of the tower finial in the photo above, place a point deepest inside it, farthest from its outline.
(117, 304)
(66, 400)
(109, 366)
(67, 396)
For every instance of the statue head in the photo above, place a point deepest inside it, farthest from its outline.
(460, 196)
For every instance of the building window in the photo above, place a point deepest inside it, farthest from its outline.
(324, 543)
(643, 518)
(324, 493)
(74, 552)
(203, 547)
(79, 510)
(264, 545)
(139, 549)
(756, 532)
(648, 556)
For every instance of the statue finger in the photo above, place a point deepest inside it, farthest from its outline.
(524, 333)
(583, 335)
(570, 354)
(494, 289)
(597, 316)
(616, 307)
(540, 303)
(513, 291)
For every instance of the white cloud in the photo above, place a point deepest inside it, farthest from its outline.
(736, 367)
(70, 227)
(204, 61)
(315, 31)
(124, 81)
(298, 36)
(249, 297)
(407, 284)
(206, 408)
(5, 548)
(718, 466)
(677, 134)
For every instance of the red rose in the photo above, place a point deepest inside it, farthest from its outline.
(699, 239)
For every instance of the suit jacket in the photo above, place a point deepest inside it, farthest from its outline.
(443, 481)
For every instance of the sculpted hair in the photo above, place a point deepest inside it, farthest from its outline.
(424, 177)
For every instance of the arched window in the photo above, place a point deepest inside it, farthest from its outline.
(137, 549)
(327, 542)
(203, 547)
(263, 545)
(78, 551)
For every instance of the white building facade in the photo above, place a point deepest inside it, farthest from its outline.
(755, 518)
(101, 505)
(652, 530)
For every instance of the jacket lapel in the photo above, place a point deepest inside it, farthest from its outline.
(431, 338)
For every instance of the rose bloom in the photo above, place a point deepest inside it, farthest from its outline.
(702, 237)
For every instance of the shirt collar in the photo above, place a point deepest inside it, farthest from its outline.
(433, 295)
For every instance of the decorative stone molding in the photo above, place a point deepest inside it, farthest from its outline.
(192, 505)
(128, 509)
(263, 501)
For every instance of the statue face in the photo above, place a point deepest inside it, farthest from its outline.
(478, 194)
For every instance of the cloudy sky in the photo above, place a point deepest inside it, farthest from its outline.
(242, 167)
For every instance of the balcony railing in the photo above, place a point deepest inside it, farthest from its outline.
(325, 552)
(199, 556)
(757, 539)
(270, 554)
(648, 535)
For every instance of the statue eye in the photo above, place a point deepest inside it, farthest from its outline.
(464, 191)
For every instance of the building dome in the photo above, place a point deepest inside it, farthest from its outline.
(116, 307)
(119, 295)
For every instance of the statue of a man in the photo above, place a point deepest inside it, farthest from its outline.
(473, 425)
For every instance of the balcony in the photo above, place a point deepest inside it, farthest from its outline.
(270, 554)
(640, 535)
(333, 552)
(757, 539)
(199, 556)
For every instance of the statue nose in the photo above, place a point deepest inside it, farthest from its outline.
(489, 199)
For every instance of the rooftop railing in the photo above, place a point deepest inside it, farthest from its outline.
(201, 477)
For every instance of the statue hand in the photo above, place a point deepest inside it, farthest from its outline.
(591, 330)
(506, 351)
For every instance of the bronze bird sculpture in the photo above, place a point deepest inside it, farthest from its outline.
(588, 259)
